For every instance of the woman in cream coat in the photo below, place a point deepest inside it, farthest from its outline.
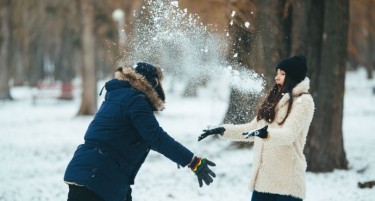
(279, 133)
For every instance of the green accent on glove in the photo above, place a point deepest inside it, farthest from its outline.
(200, 167)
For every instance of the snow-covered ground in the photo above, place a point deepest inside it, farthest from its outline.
(38, 140)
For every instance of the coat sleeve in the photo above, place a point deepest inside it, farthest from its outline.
(299, 118)
(234, 132)
(144, 121)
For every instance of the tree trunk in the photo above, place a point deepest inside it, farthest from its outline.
(89, 88)
(371, 41)
(298, 29)
(271, 43)
(372, 36)
(64, 62)
(325, 149)
(35, 55)
(5, 38)
(314, 38)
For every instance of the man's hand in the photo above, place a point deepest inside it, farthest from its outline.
(200, 167)
(207, 132)
(262, 133)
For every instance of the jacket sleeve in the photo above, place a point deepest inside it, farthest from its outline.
(234, 132)
(299, 118)
(144, 121)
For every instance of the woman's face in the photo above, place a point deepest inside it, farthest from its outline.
(280, 77)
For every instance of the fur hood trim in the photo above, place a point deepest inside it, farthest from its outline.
(301, 88)
(140, 83)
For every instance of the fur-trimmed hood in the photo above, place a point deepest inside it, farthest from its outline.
(139, 82)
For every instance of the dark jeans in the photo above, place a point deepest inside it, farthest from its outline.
(259, 196)
(80, 193)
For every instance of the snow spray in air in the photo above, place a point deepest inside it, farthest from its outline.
(178, 42)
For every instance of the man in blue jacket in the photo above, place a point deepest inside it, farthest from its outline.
(120, 137)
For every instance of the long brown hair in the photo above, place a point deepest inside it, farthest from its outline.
(266, 110)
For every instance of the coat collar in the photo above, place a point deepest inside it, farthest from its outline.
(300, 88)
(138, 82)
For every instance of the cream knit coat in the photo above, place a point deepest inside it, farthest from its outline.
(279, 164)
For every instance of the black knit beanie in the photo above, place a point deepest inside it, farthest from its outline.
(149, 72)
(295, 67)
(153, 76)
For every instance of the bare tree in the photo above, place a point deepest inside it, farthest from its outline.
(89, 88)
(29, 41)
(361, 48)
(20, 41)
(64, 42)
(5, 38)
(297, 29)
(324, 148)
(371, 39)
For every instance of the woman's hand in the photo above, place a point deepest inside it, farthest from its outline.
(214, 131)
(262, 133)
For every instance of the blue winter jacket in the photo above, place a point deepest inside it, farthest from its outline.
(118, 141)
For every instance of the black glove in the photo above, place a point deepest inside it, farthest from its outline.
(207, 132)
(200, 167)
(262, 133)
